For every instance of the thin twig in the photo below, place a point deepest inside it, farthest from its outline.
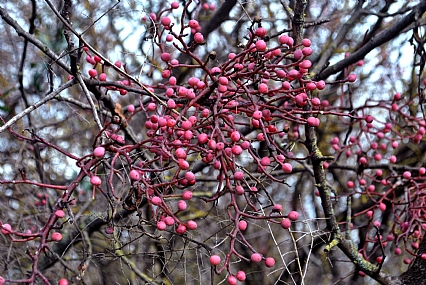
(36, 105)
(89, 98)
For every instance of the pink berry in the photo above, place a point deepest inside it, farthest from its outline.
(131, 108)
(56, 236)
(255, 257)
(205, 113)
(99, 152)
(286, 40)
(406, 174)
(239, 190)
(182, 205)
(306, 64)
(242, 225)
(189, 176)
(237, 150)
(260, 45)
(186, 125)
(169, 221)
(306, 42)
(320, 85)
(165, 73)
(166, 21)
(301, 99)
(93, 73)
(260, 32)
(134, 175)
(181, 229)
(214, 259)
(241, 275)
(293, 215)
(277, 208)
(180, 153)
(102, 77)
(161, 226)
(198, 38)
(235, 136)
(232, 280)
(307, 51)
(269, 262)
(175, 5)
(59, 213)
(5, 229)
(223, 80)
(191, 225)
(245, 145)
(156, 200)
(193, 24)
(369, 214)
(257, 115)
(285, 223)
(203, 138)
(265, 161)
(153, 16)
(171, 104)
(63, 281)
(151, 107)
(287, 168)
(165, 56)
(397, 96)
(398, 251)
(369, 119)
(313, 122)
(263, 88)
(216, 70)
(352, 77)
(172, 80)
(298, 54)
(187, 195)
(312, 86)
(95, 180)
(238, 175)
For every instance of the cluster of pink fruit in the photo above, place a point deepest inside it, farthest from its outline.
(252, 97)
(381, 176)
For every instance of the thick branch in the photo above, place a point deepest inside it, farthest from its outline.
(328, 53)
(382, 38)
(31, 108)
(22, 33)
(298, 20)
(221, 15)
